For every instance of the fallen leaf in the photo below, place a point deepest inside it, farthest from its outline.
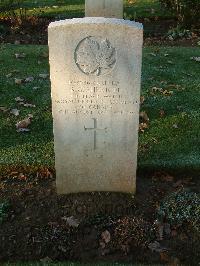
(164, 256)
(23, 130)
(17, 42)
(18, 55)
(175, 126)
(46, 260)
(72, 221)
(21, 126)
(155, 89)
(22, 177)
(144, 117)
(14, 112)
(197, 59)
(28, 105)
(9, 75)
(29, 79)
(155, 246)
(30, 116)
(178, 183)
(61, 248)
(106, 237)
(19, 99)
(44, 55)
(4, 109)
(102, 244)
(162, 113)
(143, 126)
(19, 81)
(43, 76)
(142, 99)
(152, 54)
(167, 93)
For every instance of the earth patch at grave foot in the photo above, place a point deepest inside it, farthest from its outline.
(82, 227)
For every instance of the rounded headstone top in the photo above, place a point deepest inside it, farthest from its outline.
(96, 20)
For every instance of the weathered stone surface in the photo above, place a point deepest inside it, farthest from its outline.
(104, 8)
(95, 76)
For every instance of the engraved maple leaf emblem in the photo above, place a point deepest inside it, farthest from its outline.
(95, 57)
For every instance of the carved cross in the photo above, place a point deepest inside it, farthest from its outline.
(95, 129)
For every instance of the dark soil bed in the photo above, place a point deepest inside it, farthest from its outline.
(43, 226)
(34, 31)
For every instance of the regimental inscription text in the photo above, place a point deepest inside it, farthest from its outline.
(95, 98)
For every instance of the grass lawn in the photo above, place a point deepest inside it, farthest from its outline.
(172, 140)
(69, 9)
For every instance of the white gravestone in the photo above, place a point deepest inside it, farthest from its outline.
(95, 66)
(104, 8)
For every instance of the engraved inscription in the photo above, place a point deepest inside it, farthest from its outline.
(96, 98)
(95, 129)
(95, 56)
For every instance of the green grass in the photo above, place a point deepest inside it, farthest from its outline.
(171, 142)
(75, 8)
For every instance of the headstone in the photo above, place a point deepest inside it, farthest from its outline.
(104, 8)
(95, 68)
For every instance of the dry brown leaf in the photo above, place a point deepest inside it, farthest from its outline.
(143, 126)
(142, 99)
(164, 256)
(22, 177)
(4, 109)
(167, 93)
(144, 117)
(155, 89)
(19, 81)
(106, 237)
(21, 126)
(162, 113)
